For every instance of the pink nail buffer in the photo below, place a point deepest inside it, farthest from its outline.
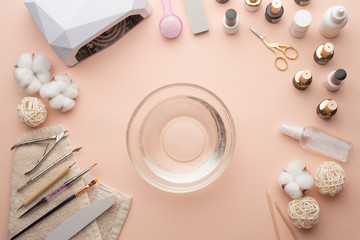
(196, 15)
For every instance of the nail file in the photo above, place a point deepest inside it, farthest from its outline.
(196, 15)
(80, 219)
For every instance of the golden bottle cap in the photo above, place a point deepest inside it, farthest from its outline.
(302, 79)
(327, 49)
(327, 108)
(275, 7)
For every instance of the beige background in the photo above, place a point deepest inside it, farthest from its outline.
(240, 70)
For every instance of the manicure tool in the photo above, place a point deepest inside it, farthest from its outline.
(81, 219)
(280, 47)
(63, 203)
(66, 184)
(58, 176)
(170, 24)
(57, 140)
(48, 168)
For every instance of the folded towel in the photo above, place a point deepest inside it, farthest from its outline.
(105, 227)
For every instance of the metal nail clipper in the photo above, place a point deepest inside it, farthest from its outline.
(57, 139)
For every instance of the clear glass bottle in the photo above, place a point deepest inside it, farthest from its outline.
(319, 141)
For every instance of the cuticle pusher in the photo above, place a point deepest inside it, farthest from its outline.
(48, 168)
(51, 195)
(47, 185)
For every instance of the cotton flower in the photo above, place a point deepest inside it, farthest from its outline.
(305, 180)
(31, 71)
(61, 92)
(295, 167)
(285, 178)
(49, 90)
(296, 179)
(293, 190)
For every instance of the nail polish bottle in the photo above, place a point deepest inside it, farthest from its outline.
(335, 80)
(302, 79)
(302, 2)
(252, 5)
(334, 19)
(324, 53)
(319, 141)
(327, 108)
(300, 23)
(274, 11)
(222, 1)
(231, 21)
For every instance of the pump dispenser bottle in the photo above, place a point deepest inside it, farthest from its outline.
(318, 141)
(334, 19)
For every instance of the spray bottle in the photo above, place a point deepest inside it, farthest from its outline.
(318, 141)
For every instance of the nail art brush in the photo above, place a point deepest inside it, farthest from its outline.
(63, 203)
(53, 180)
(48, 168)
(66, 184)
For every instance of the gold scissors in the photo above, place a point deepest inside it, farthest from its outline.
(281, 47)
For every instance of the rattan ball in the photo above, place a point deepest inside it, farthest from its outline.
(32, 111)
(304, 212)
(330, 178)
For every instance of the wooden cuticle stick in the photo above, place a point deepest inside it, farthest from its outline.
(286, 221)
(273, 215)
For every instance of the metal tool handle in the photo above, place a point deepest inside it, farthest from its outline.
(285, 50)
(41, 160)
(58, 176)
(57, 140)
(52, 165)
(278, 64)
(32, 141)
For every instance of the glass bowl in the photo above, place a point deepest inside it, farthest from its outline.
(180, 138)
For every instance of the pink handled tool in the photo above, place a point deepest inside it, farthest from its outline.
(170, 25)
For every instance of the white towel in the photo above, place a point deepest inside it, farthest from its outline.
(105, 227)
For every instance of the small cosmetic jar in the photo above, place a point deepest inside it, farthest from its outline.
(300, 23)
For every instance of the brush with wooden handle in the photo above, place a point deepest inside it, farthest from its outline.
(58, 176)
(51, 195)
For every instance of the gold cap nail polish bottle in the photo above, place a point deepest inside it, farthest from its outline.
(327, 108)
(302, 79)
(324, 53)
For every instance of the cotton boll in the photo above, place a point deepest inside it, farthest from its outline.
(32, 67)
(68, 104)
(34, 86)
(49, 90)
(43, 77)
(63, 81)
(285, 178)
(305, 180)
(57, 102)
(293, 190)
(23, 76)
(295, 168)
(41, 64)
(25, 61)
(72, 91)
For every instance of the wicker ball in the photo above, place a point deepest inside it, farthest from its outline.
(32, 111)
(330, 178)
(304, 212)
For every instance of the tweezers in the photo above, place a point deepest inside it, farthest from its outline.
(57, 140)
